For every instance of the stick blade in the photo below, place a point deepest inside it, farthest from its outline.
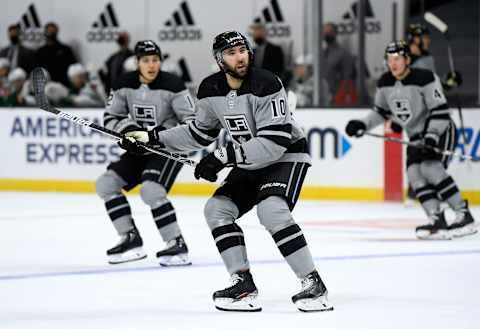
(39, 81)
(436, 22)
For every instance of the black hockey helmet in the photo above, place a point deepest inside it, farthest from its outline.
(147, 47)
(416, 30)
(397, 47)
(226, 40)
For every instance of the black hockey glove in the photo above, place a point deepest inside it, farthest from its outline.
(212, 163)
(355, 128)
(452, 80)
(131, 138)
(430, 141)
(130, 144)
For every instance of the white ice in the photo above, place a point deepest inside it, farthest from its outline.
(54, 272)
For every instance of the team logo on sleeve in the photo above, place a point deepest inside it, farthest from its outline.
(145, 114)
(402, 110)
(238, 128)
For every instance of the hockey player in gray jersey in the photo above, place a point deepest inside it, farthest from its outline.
(141, 100)
(269, 157)
(413, 98)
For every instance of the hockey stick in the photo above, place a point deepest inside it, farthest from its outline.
(39, 81)
(421, 145)
(442, 27)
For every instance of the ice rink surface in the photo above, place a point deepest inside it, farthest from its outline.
(54, 272)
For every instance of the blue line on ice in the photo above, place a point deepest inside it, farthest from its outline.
(114, 269)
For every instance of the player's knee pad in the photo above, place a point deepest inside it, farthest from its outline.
(108, 185)
(433, 171)
(274, 214)
(415, 177)
(219, 211)
(152, 193)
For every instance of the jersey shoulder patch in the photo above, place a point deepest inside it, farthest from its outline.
(419, 77)
(261, 83)
(167, 81)
(386, 80)
(127, 80)
(213, 85)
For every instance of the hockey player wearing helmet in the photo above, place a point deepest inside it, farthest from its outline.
(141, 100)
(269, 157)
(413, 98)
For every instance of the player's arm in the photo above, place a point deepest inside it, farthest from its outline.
(380, 113)
(182, 103)
(196, 134)
(274, 129)
(116, 116)
(439, 112)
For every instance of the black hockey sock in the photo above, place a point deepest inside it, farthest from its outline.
(447, 188)
(293, 246)
(164, 215)
(228, 236)
(120, 213)
(231, 245)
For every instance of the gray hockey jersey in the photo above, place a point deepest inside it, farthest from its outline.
(163, 102)
(416, 103)
(256, 116)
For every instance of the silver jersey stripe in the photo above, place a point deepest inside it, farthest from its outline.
(162, 216)
(228, 235)
(274, 133)
(288, 238)
(109, 211)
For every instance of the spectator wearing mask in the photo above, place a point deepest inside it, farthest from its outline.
(339, 63)
(266, 55)
(16, 81)
(302, 83)
(55, 56)
(83, 91)
(16, 53)
(4, 70)
(114, 66)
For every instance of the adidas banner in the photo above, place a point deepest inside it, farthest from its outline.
(184, 29)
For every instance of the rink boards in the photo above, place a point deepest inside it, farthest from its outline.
(42, 152)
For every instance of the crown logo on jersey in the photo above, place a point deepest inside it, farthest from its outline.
(272, 17)
(180, 27)
(105, 28)
(30, 25)
(349, 23)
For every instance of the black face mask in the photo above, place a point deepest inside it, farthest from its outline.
(259, 41)
(51, 36)
(14, 39)
(329, 39)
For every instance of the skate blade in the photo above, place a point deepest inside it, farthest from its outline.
(248, 303)
(469, 229)
(128, 256)
(176, 260)
(319, 304)
(439, 235)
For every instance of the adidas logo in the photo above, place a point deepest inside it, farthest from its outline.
(30, 25)
(351, 15)
(272, 17)
(180, 27)
(105, 29)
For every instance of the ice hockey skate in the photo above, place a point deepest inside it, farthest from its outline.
(314, 295)
(464, 223)
(128, 249)
(437, 230)
(176, 253)
(241, 296)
